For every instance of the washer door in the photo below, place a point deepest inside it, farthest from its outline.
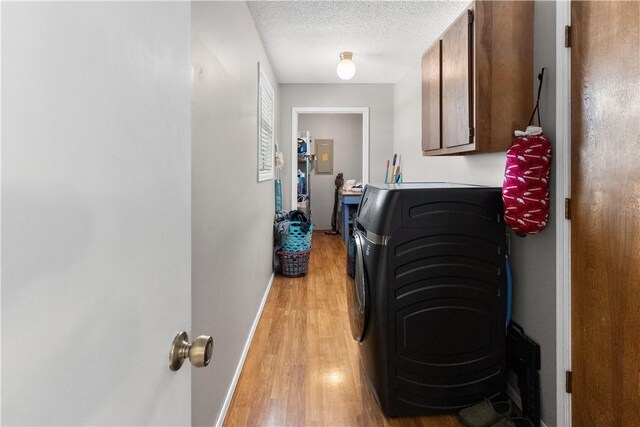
(358, 293)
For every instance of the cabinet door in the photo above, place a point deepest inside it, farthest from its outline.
(431, 98)
(457, 82)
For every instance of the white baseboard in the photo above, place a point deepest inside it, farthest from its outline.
(515, 397)
(245, 350)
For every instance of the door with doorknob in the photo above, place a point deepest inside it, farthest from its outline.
(96, 214)
(605, 218)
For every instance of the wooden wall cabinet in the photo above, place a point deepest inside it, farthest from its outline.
(477, 80)
(431, 98)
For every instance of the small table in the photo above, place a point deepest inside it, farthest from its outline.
(348, 198)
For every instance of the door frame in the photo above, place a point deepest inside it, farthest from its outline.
(563, 228)
(0, 216)
(295, 111)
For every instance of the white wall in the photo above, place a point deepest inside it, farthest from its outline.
(485, 169)
(379, 99)
(346, 132)
(96, 209)
(533, 258)
(232, 213)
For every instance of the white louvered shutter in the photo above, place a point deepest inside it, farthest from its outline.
(266, 120)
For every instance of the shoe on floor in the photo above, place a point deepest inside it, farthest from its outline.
(513, 422)
(485, 413)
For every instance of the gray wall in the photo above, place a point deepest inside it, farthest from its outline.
(379, 99)
(346, 132)
(232, 214)
(533, 258)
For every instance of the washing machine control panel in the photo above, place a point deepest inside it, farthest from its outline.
(368, 205)
(368, 201)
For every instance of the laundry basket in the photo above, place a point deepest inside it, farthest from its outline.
(294, 264)
(296, 240)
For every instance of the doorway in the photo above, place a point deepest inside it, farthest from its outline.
(297, 114)
(336, 142)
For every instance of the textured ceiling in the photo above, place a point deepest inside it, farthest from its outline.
(304, 38)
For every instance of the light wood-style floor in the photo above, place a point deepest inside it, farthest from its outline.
(303, 367)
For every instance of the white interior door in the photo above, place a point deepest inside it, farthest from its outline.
(95, 212)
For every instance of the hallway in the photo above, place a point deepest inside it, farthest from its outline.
(303, 366)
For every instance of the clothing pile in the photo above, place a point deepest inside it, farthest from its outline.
(353, 185)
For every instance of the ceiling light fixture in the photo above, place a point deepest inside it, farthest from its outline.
(346, 68)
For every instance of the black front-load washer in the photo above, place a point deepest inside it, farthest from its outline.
(427, 295)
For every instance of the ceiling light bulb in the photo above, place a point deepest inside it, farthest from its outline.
(346, 67)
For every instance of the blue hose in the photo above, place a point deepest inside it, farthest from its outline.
(509, 288)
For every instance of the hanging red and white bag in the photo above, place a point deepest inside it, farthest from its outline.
(525, 191)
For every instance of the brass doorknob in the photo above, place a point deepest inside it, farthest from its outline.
(199, 352)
